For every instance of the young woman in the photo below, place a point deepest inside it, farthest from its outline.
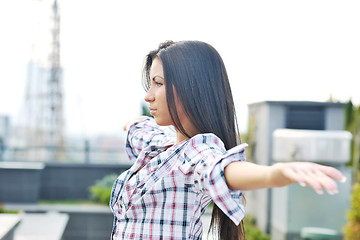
(176, 176)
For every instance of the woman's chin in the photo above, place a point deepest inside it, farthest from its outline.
(161, 122)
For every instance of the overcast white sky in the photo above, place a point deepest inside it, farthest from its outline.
(273, 50)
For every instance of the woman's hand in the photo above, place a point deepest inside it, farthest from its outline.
(249, 176)
(132, 121)
(310, 174)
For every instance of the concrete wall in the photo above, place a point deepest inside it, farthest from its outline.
(334, 118)
(51, 181)
(20, 182)
(268, 119)
(8, 225)
(270, 116)
(295, 207)
(85, 222)
(72, 181)
(257, 201)
(89, 225)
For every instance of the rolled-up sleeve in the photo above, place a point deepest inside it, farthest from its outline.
(210, 158)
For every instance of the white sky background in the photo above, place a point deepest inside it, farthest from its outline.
(273, 50)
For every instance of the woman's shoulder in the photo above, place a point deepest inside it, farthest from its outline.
(208, 148)
(207, 139)
(202, 143)
(205, 143)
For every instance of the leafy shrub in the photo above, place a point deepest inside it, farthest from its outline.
(352, 228)
(252, 232)
(2, 210)
(101, 191)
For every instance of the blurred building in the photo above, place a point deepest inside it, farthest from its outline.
(42, 115)
(4, 133)
(282, 212)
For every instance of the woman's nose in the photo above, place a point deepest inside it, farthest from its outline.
(149, 97)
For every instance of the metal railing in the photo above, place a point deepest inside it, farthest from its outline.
(70, 154)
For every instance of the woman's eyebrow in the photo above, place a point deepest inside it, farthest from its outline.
(156, 77)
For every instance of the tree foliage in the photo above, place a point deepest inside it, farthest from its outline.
(352, 228)
(352, 124)
(100, 192)
(145, 110)
(349, 115)
(252, 232)
(249, 138)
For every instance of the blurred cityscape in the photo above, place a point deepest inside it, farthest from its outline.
(38, 133)
(29, 143)
(17, 144)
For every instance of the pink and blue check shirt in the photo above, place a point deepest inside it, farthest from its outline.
(165, 192)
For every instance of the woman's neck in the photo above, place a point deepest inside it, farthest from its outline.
(189, 129)
(180, 137)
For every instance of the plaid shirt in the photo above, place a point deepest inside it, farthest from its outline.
(165, 192)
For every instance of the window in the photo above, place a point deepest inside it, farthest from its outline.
(305, 117)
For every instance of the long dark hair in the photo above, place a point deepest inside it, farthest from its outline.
(197, 73)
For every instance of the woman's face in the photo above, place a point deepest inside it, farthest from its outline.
(156, 96)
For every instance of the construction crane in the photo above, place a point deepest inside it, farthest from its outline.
(43, 106)
(55, 89)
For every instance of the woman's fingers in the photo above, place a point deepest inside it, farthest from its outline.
(333, 173)
(316, 176)
(318, 181)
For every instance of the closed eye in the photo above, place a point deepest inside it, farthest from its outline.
(157, 83)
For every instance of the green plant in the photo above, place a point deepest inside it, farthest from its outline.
(252, 232)
(2, 210)
(145, 110)
(65, 202)
(101, 191)
(352, 228)
(249, 138)
(352, 124)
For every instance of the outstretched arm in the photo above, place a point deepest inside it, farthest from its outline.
(249, 176)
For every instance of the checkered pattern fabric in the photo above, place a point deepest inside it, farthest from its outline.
(165, 192)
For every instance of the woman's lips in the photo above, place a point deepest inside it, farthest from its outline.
(152, 111)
